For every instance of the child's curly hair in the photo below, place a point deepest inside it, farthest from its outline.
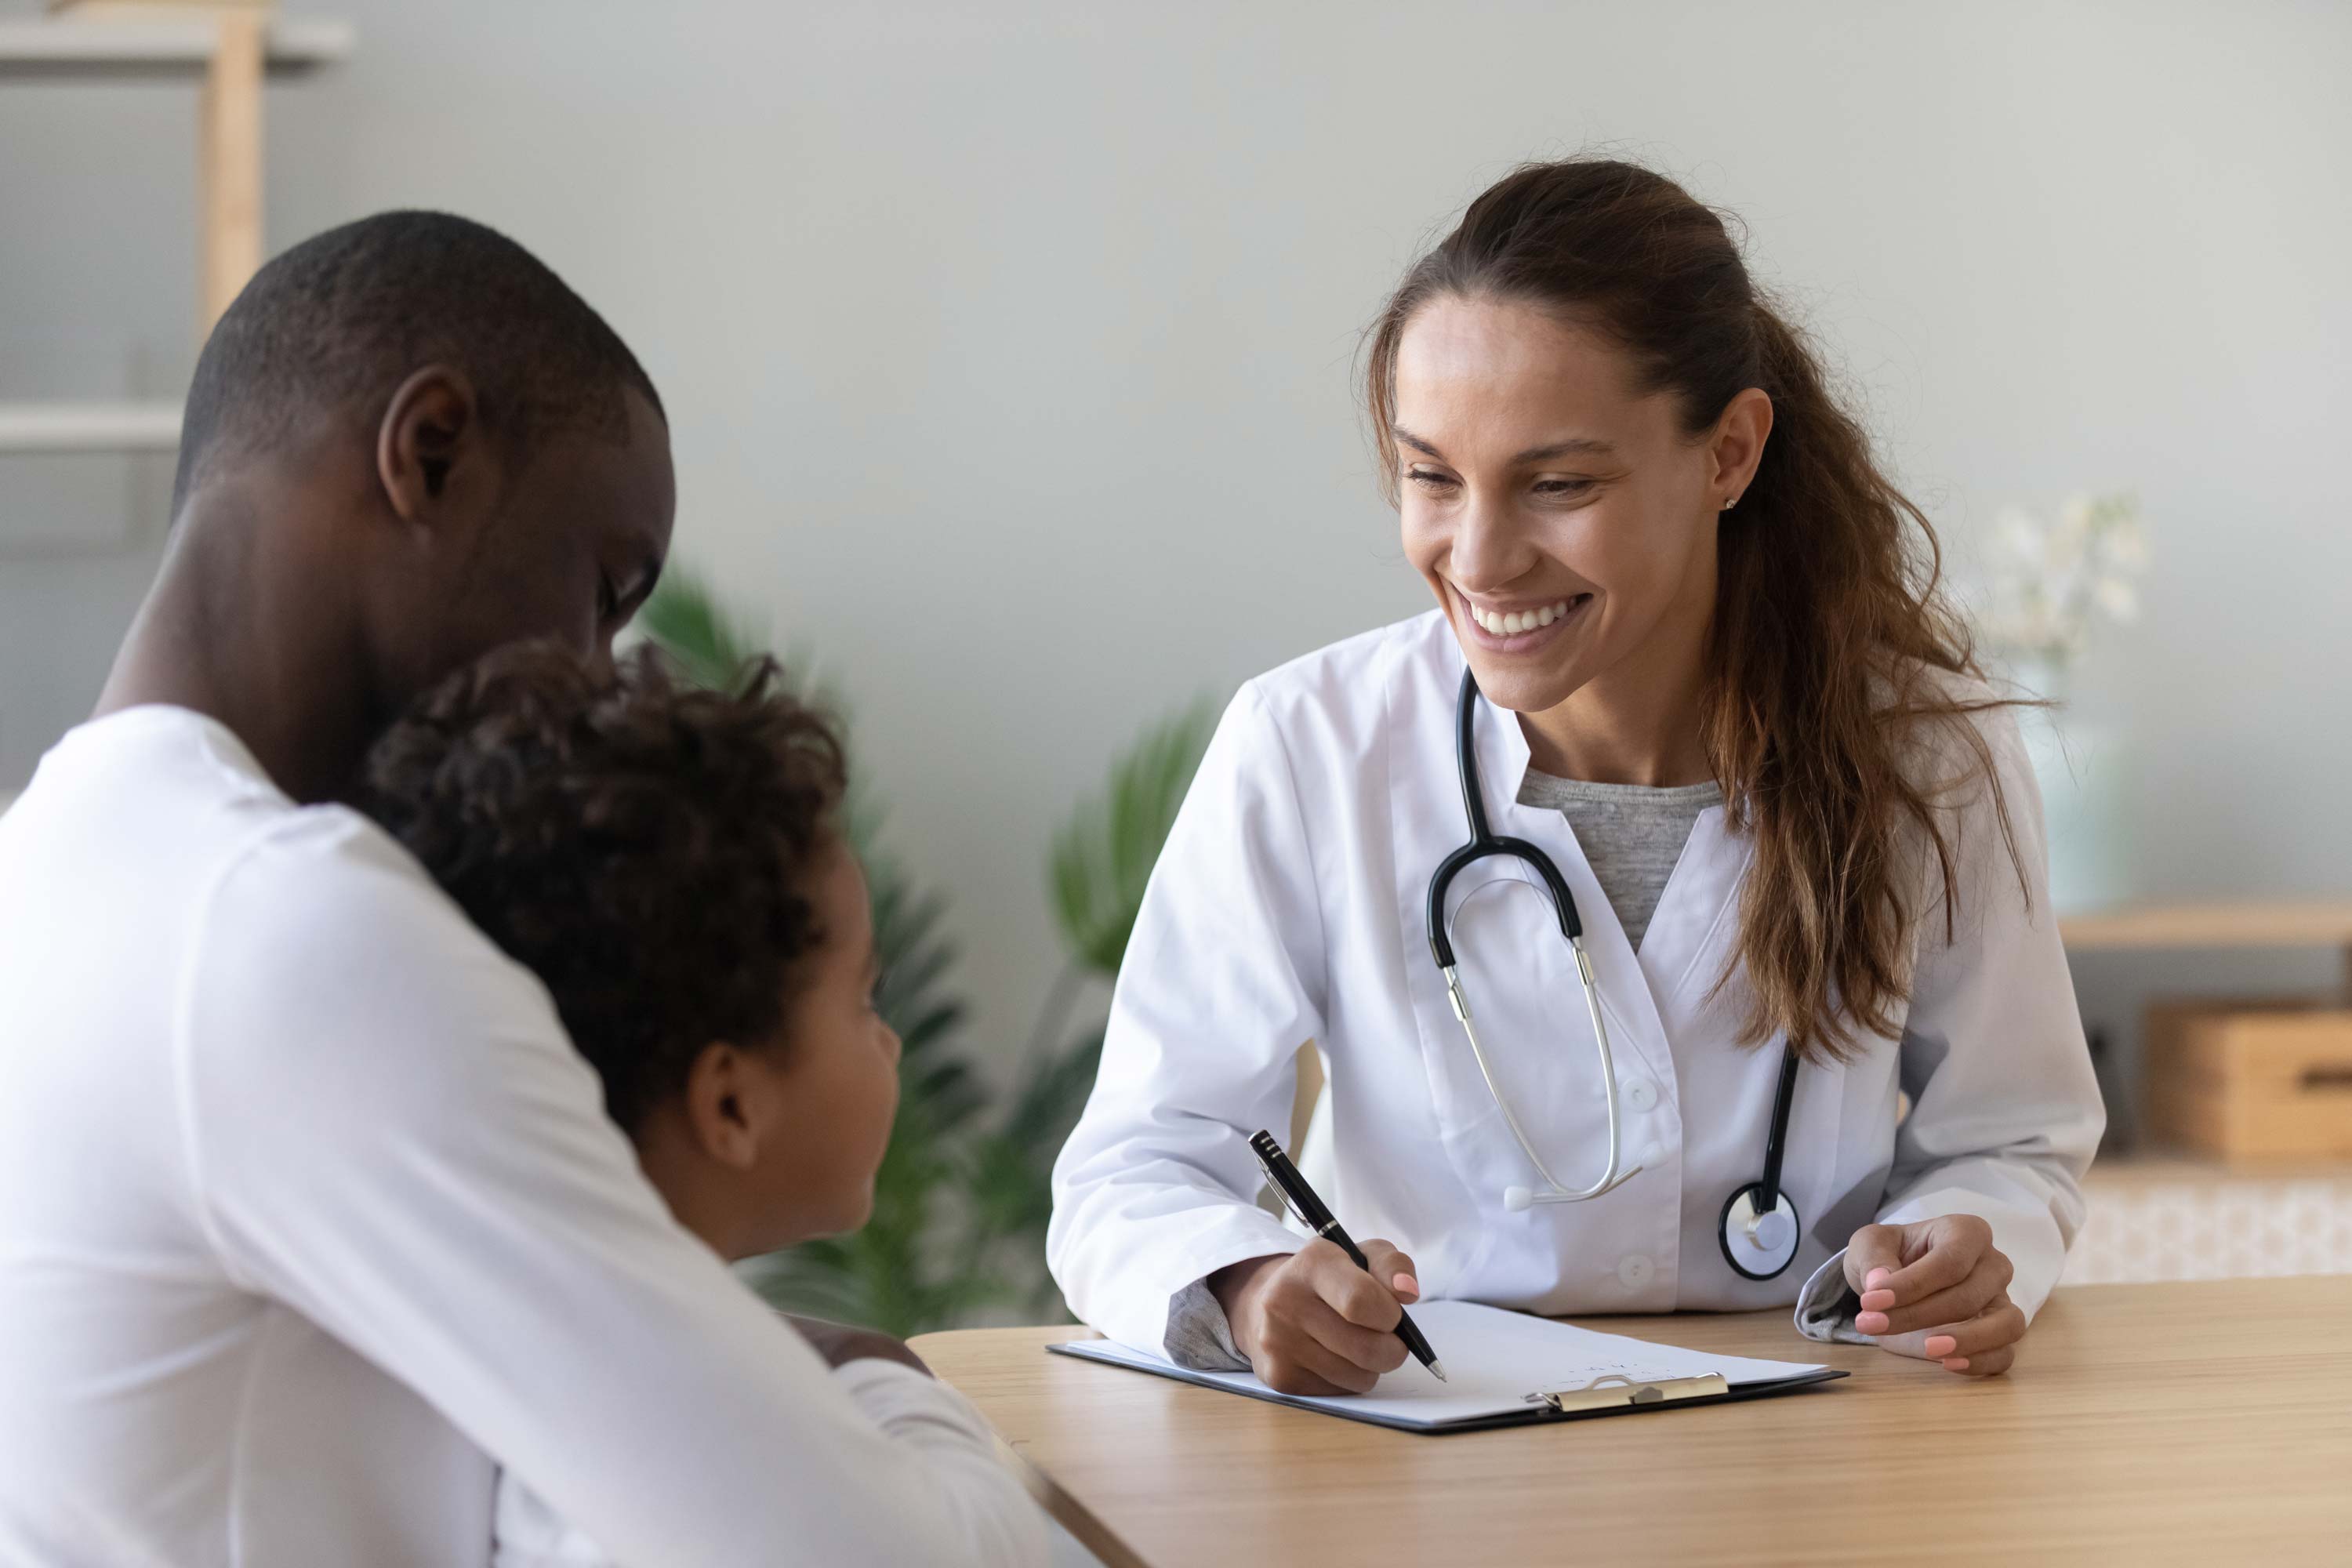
(645, 848)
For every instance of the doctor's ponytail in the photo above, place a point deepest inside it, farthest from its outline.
(1830, 690)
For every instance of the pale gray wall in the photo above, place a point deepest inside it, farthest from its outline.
(1008, 347)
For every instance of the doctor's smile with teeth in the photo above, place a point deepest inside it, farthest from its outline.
(1668, 904)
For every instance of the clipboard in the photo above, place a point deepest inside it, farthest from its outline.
(1508, 1370)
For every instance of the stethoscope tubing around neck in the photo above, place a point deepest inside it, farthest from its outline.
(1486, 844)
(1765, 1194)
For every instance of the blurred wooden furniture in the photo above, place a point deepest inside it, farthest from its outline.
(146, 10)
(233, 46)
(2224, 1091)
(2152, 1424)
(2242, 923)
(2250, 1079)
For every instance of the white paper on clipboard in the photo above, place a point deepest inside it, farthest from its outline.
(1498, 1362)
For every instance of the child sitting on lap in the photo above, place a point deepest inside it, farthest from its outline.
(668, 861)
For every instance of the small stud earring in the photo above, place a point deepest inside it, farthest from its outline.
(1730, 502)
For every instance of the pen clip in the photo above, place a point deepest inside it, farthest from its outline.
(1280, 1194)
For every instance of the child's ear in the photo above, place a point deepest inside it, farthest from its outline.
(724, 1105)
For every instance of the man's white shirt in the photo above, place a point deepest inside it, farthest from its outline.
(311, 1218)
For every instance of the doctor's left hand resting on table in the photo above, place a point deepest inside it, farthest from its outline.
(1669, 905)
(1936, 1288)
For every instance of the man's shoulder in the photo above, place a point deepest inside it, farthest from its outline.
(174, 800)
(316, 855)
(328, 966)
(146, 832)
(323, 888)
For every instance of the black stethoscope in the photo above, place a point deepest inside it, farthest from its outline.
(1759, 1228)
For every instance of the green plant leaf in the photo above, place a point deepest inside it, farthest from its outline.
(1103, 856)
(684, 619)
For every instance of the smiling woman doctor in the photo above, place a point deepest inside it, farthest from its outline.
(1689, 652)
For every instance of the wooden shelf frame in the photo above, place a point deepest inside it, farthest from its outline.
(96, 427)
(2219, 924)
(231, 52)
(163, 47)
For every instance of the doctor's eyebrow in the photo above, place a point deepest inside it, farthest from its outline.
(1576, 446)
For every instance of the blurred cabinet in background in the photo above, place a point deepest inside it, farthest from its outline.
(2251, 1080)
(2247, 1171)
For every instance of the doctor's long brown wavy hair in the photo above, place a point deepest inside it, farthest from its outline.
(1823, 695)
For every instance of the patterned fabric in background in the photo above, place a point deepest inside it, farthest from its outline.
(2197, 1224)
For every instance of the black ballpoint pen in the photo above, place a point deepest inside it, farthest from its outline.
(1302, 1201)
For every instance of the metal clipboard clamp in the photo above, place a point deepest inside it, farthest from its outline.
(1616, 1391)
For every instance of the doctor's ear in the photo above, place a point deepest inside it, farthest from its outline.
(1737, 444)
(433, 460)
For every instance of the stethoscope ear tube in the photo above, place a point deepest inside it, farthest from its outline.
(1465, 757)
(1484, 843)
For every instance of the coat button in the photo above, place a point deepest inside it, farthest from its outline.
(1634, 1272)
(1640, 1093)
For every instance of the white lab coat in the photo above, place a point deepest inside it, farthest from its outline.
(1288, 907)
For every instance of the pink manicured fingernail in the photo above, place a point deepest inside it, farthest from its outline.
(1870, 1281)
(1407, 1284)
(1877, 1300)
(1941, 1345)
(1955, 1363)
(1870, 1323)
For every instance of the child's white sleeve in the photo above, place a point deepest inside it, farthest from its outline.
(532, 1535)
(1000, 1524)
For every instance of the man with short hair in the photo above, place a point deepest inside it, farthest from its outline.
(309, 1212)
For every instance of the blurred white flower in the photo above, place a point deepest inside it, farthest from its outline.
(2016, 539)
(2070, 541)
(2119, 598)
(2124, 544)
(2051, 581)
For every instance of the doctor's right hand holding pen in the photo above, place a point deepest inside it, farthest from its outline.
(1312, 1321)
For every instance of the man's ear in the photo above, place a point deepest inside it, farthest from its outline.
(722, 1105)
(429, 449)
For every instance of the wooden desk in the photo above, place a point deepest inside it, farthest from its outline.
(2205, 1423)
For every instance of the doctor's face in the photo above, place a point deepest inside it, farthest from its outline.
(1565, 523)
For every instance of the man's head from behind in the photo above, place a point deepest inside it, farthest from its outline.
(459, 449)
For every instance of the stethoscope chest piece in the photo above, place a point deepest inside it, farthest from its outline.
(1759, 1245)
